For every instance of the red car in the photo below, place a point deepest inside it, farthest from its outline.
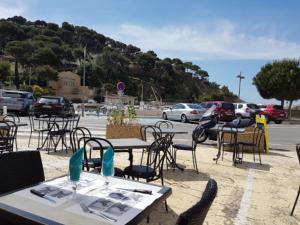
(274, 113)
(225, 110)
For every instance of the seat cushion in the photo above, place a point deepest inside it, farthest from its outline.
(183, 147)
(94, 162)
(139, 171)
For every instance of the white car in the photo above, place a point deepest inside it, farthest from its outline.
(184, 112)
(246, 110)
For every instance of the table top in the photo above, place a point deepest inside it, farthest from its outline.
(228, 129)
(133, 206)
(17, 125)
(123, 143)
(173, 131)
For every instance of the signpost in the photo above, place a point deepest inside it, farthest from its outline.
(120, 88)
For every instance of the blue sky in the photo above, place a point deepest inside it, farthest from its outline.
(222, 37)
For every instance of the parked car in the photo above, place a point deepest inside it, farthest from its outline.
(274, 113)
(184, 112)
(246, 110)
(53, 105)
(17, 101)
(225, 110)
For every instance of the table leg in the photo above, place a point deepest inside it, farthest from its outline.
(130, 158)
(172, 161)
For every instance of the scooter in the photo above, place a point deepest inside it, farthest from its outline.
(209, 120)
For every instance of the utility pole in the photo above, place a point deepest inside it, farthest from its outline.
(240, 81)
(84, 58)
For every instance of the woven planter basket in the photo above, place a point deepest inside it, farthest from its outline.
(123, 131)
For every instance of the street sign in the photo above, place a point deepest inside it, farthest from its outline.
(121, 86)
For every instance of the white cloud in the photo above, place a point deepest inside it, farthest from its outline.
(12, 8)
(214, 40)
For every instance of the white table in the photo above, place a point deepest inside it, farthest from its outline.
(24, 207)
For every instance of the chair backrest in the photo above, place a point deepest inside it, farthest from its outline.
(298, 151)
(197, 213)
(150, 130)
(196, 134)
(156, 156)
(99, 143)
(12, 117)
(8, 132)
(76, 134)
(164, 124)
(20, 169)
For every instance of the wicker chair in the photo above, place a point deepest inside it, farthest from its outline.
(197, 213)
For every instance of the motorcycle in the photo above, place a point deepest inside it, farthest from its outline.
(209, 120)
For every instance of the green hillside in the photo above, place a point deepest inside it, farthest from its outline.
(42, 49)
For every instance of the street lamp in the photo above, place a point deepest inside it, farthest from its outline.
(240, 80)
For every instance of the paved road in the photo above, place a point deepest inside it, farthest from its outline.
(283, 136)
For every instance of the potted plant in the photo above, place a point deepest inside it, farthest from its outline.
(122, 124)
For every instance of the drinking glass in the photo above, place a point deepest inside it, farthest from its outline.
(107, 171)
(74, 177)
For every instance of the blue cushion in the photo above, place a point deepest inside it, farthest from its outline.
(183, 147)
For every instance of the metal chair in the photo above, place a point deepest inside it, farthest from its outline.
(296, 200)
(164, 124)
(149, 132)
(8, 131)
(96, 163)
(153, 169)
(255, 143)
(37, 126)
(191, 148)
(25, 169)
(76, 134)
(16, 119)
(197, 213)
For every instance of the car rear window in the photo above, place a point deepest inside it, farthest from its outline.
(226, 105)
(262, 106)
(252, 106)
(195, 106)
(49, 100)
(14, 94)
(278, 107)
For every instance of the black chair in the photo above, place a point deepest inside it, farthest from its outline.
(197, 213)
(96, 163)
(153, 169)
(76, 134)
(191, 148)
(37, 126)
(164, 124)
(298, 155)
(20, 169)
(12, 117)
(8, 131)
(148, 133)
(255, 143)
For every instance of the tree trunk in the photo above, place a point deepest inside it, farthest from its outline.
(290, 109)
(17, 78)
(282, 103)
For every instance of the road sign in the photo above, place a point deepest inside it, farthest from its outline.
(120, 86)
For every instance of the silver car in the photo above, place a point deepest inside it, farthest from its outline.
(184, 112)
(17, 101)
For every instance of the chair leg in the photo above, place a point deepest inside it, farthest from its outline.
(222, 152)
(195, 159)
(253, 152)
(295, 202)
(166, 205)
(259, 155)
(30, 139)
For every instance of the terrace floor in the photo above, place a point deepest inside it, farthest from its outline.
(248, 194)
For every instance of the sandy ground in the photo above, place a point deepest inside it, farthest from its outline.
(248, 194)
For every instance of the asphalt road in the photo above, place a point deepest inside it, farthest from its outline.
(282, 136)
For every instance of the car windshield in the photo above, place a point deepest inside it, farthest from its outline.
(194, 106)
(278, 107)
(14, 94)
(252, 106)
(49, 100)
(227, 106)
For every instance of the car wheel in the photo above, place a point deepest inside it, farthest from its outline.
(183, 118)
(278, 121)
(202, 137)
(164, 116)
